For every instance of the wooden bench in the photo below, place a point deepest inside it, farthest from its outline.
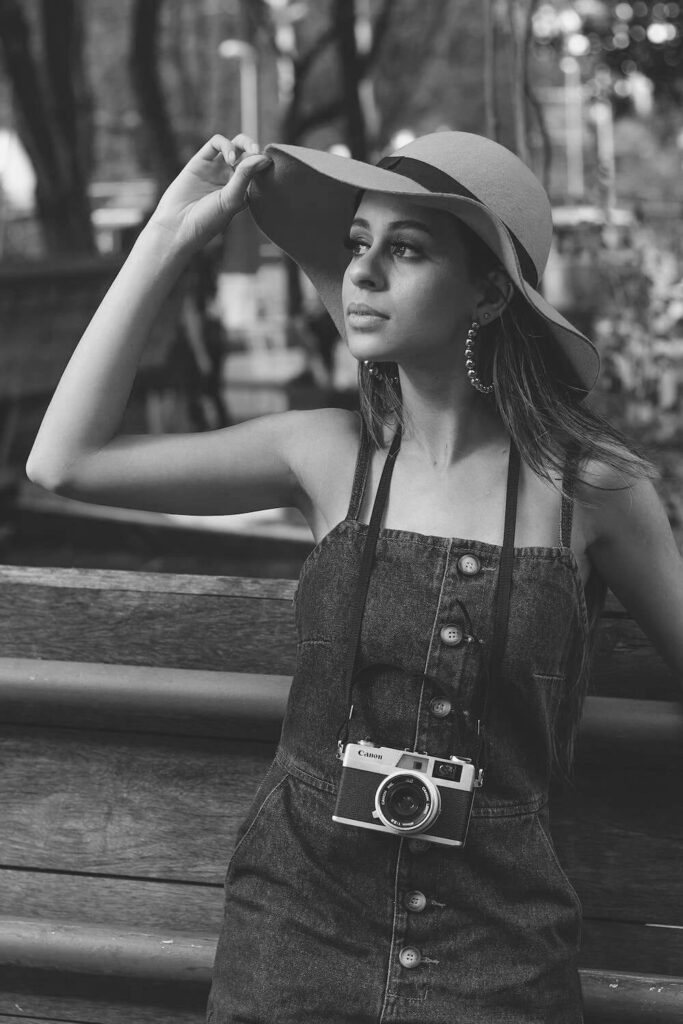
(138, 713)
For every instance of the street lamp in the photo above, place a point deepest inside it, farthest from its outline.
(245, 53)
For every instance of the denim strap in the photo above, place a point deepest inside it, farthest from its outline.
(567, 514)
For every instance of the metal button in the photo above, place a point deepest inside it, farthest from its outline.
(451, 635)
(440, 707)
(415, 901)
(469, 565)
(418, 845)
(410, 956)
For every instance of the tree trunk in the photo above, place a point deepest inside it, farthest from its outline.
(344, 17)
(519, 12)
(160, 146)
(54, 117)
(490, 109)
(536, 105)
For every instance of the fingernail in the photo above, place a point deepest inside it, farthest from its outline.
(254, 147)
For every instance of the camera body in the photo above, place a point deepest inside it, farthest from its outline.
(406, 792)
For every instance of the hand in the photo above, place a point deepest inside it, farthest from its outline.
(209, 190)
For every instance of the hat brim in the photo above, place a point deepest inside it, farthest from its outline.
(304, 203)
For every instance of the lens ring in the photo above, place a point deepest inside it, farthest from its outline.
(407, 802)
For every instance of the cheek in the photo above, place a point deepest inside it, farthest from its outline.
(440, 303)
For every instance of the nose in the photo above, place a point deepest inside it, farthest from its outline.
(365, 270)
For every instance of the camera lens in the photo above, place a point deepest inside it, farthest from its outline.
(405, 802)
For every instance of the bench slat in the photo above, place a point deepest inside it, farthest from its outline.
(87, 949)
(630, 946)
(168, 807)
(121, 902)
(88, 999)
(164, 956)
(135, 698)
(115, 804)
(245, 705)
(148, 627)
(211, 623)
(620, 998)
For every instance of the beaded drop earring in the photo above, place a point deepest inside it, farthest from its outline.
(470, 364)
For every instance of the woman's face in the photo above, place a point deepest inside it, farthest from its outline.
(409, 266)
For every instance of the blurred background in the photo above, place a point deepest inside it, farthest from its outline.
(101, 102)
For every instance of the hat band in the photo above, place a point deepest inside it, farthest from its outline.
(438, 181)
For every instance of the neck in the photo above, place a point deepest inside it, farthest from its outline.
(446, 419)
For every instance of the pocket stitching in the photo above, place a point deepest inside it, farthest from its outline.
(550, 677)
(257, 815)
(550, 849)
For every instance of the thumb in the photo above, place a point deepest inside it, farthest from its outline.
(234, 194)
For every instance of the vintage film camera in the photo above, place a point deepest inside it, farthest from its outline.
(406, 792)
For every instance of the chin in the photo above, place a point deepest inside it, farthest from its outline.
(363, 348)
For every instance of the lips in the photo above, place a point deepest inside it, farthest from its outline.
(360, 309)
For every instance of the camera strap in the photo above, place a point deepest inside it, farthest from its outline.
(502, 597)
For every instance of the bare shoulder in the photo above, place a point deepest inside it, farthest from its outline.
(315, 434)
(611, 498)
(323, 447)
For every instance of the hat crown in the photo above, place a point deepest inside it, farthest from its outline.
(497, 178)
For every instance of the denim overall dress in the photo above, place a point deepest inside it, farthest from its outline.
(327, 923)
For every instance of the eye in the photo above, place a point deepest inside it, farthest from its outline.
(353, 245)
(402, 248)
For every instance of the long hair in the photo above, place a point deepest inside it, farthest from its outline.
(539, 401)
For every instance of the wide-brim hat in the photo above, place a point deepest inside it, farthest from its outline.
(305, 203)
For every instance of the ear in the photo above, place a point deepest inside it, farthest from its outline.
(496, 292)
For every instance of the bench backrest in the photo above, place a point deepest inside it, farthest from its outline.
(139, 712)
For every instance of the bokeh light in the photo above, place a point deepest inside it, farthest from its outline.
(659, 32)
(578, 45)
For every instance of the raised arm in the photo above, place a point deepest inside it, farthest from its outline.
(79, 451)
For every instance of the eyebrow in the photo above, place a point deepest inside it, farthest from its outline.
(360, 222)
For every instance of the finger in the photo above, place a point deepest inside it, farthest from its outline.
(245, 143)
(247, 168)
(216, 147)
(236, 188)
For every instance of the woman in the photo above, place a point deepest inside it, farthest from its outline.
(455, 626)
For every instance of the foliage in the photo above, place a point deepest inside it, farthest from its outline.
(644, 36)
(639, 330)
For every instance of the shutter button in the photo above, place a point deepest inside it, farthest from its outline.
(440, 707)
(415, 901)
(469, 565)
(410, 957)
(451, 635)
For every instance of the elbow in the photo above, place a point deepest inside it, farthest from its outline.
(45, 474)
(37, 474)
